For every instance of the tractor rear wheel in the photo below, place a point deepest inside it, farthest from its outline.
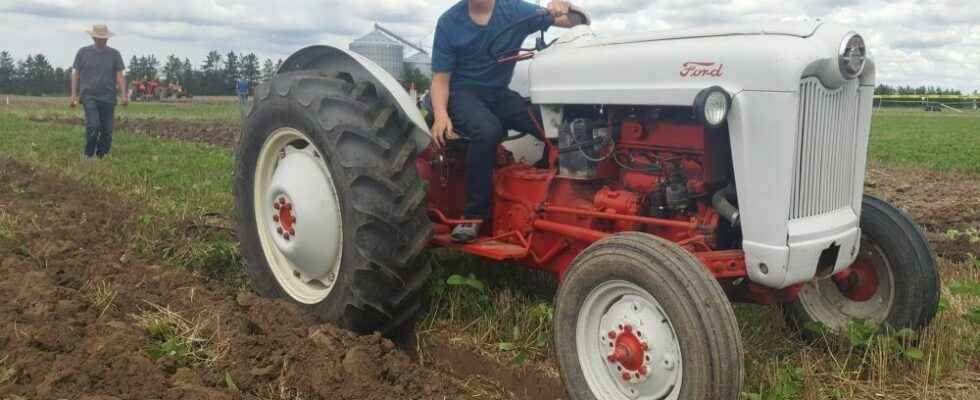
(331, 209)
(893, 282)
(638, 317)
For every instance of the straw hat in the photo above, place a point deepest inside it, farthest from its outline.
(100, 32)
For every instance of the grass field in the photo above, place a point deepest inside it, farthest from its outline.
(940, 140)
(500, 311)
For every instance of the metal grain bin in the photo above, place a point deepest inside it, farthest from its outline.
(383, 50)
(420, 61)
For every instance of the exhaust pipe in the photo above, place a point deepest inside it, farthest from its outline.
(724, 207)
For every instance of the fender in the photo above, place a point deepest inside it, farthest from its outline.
(335, 60)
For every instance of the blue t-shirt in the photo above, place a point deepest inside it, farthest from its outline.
(242, 86)
(460, 45)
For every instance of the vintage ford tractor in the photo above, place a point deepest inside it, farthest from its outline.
(684, 169)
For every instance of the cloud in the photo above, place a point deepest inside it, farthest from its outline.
(934, 42)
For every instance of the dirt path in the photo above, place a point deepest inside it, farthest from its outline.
(84, 316)
(220, 133)
(939, 201)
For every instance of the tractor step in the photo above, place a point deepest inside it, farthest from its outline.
(492, 249)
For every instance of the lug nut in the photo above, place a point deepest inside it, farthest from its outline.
(292, 232)
(289, 206)
(628, 328)
(286, 236)
(612, 334)
(626, 376)
(643, 370)
(275, 205)
(275, 218)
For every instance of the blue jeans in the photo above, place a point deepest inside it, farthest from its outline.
(98, 126)
(484, 116)
(243, 98)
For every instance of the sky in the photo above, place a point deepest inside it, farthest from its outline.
(929, 42)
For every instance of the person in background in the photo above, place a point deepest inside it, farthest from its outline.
(97, 80)
(242, 85)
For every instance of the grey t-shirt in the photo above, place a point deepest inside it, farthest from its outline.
(97, 72)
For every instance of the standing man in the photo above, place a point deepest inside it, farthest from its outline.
(98, 71)
(242, 84)
(470, 89)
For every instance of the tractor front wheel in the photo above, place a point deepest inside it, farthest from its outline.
(638, 317)
(331, 210)
(893, 282)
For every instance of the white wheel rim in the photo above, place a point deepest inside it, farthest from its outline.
(612, 312)
(825, 303)
(303, 254)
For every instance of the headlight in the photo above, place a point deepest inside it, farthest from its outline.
(852, 56)
(711, 106)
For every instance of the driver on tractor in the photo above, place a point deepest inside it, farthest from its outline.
(470, 93)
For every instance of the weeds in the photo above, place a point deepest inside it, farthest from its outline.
(101, 295)
(505, 313)
(6, 373)
(188, 342)
(972, 235)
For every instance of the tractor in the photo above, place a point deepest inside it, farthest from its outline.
(672, 174)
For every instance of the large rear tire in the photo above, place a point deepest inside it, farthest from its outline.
(331, 211)
(893, 282)
(638, 317)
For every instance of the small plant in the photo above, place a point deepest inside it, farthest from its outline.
(523, 344)
(6, 373)
(470, 281)
(965, 288)
(974, 315)
(971, 234)
(187, 342)
(788, 385)
(973, 260)
(7, 222)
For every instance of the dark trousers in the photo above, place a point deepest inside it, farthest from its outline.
(98, 126)
(484, 116)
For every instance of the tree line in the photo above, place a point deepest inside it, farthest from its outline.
(35, 76)
(217, 73)
(886, 90)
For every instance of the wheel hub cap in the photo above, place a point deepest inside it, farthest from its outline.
(284, 217)
(627, 346)
(629, 354)
(859, 282)
(306, 215)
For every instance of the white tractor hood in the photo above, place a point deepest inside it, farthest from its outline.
(799, 29)
(670, 68)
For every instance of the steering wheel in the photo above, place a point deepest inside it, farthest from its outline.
(521, 54)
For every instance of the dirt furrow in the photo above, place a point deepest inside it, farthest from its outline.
(84, 316)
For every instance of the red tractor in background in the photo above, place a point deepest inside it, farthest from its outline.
(146, 90)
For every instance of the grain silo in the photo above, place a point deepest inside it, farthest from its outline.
(383, 50)
(421, 62)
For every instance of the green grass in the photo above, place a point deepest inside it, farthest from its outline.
(939, 140)
(184, 188)
(211, 109)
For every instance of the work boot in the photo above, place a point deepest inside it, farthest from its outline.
(465, 233)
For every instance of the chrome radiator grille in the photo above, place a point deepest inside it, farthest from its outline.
(826, 143)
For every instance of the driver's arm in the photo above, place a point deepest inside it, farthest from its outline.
(443, 65)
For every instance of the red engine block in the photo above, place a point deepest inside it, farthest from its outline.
(545, 220)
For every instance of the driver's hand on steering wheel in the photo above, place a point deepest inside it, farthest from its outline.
(442, 131)
(559, 8)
